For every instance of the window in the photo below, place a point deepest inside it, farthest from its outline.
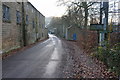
(6, 13)
(27, 8)
(18, 18)
(39, 24)
(18, 2)
(42, 26)
(33, 23)
(32, 10)
(42, 35)
(27, 22)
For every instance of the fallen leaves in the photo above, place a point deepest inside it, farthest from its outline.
(84, 66)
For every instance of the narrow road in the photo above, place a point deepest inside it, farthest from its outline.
(44, 60)
(54, 58)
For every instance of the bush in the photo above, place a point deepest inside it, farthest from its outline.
(114, 59)
(110, 56)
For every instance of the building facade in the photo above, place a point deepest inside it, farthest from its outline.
(22, 24)
(0, 27)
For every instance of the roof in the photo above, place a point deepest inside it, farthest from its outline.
(35, 8)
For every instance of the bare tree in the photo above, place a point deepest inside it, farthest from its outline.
(77, 11)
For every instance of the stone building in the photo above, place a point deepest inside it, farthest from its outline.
(22, 24)
(11, 25)
(0, 27)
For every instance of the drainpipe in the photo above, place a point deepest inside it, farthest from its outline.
(23, 26)
(36, 27)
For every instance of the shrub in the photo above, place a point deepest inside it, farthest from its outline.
(110, 56)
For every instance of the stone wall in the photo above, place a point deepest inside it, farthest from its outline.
(39, 28)
(34, 33)
(11, 31)
(30, 30)
(42, 25)
(0, 27)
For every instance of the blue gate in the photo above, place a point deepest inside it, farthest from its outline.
(74, 36)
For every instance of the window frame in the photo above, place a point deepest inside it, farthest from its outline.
(18, 17)
(6, 13)
(27, 20)
(33, 24)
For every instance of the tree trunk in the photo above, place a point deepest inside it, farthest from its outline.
(86, 14)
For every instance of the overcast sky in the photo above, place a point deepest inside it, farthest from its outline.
(48, 7)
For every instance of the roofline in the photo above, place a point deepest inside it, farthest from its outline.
(35, 8)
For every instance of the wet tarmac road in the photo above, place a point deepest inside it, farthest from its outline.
(44, 60)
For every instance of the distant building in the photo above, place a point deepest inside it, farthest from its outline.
(22, 24)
